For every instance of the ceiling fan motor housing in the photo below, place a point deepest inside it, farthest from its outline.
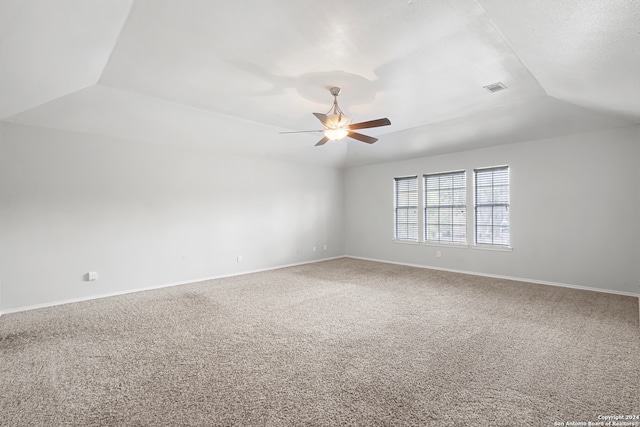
(338, 125)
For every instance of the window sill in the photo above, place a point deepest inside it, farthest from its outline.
(492, 248)
(406, 242)
(455, 245)
(446, 245)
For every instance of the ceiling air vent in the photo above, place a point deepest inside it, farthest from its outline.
(495, 87)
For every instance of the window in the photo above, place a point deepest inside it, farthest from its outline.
(406, 208)
(445, 207)
(492, 206)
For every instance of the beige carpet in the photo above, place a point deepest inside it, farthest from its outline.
(341, 342)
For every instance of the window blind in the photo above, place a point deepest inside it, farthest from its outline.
(406, 208)
(492, 206)
(445, 207)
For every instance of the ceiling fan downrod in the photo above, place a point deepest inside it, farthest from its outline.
(335, 91)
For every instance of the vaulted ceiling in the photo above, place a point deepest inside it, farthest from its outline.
(232, 75)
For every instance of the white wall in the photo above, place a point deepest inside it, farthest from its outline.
(145, 215)
(1, 155)
(575, 211)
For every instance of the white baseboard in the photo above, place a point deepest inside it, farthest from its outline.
(149, 288)
(497, 276)
(129, 291)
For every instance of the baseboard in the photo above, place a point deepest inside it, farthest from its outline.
(222, 276)
(496, 276)
(150, 288)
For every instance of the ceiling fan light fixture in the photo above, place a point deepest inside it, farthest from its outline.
(337, 121)
(338, 125)
(336, 134)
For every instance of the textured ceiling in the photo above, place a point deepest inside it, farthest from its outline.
(231, 75)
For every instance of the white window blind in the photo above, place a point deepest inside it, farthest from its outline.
(406, 208)
(492, 206)
(445, 207)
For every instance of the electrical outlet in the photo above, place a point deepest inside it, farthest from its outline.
(92, 275)
(438, 254)
(239, 258)
(314, 249)
(325, 247)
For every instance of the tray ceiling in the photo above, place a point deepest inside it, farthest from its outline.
(231, 75)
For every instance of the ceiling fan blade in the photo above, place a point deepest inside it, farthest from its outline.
(321, 117)
(361, 137)
(370, 124)
(322, 141)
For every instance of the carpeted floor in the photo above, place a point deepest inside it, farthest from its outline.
(340, 342)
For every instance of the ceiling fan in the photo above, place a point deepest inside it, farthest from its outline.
(338, 125)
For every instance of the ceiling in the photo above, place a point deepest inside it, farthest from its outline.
(232, 75)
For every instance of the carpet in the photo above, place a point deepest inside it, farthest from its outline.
(339, 342)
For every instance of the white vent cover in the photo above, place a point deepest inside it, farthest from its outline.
(495, 87)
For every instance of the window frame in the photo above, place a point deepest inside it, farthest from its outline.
(493, 204)
(407, 207)
(453, 206)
